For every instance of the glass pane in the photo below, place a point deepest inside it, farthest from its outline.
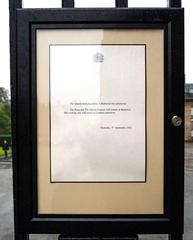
(147, 3)
(89, 110)
(92, 114)
(94, 3)
(42, 3)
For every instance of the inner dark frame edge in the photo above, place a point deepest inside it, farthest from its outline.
(145, 125)
(98, 216)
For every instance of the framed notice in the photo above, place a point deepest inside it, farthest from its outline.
(101, 98)
(95, 113)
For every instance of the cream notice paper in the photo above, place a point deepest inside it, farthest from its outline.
(98, 113)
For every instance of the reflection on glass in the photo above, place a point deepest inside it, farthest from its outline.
(94, 3)
(147, 3)
(97, 112)
(41, 3)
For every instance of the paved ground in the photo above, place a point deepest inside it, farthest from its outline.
(6, 204)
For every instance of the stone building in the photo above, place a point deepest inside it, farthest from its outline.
(189, 112)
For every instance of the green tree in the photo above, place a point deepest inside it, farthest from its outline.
(4, 95)
(5, 112)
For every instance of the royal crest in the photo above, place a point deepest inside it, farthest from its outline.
(98, 57)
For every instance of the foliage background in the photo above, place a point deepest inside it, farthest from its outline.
(5, 116)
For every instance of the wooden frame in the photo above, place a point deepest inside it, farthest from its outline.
(24, 124)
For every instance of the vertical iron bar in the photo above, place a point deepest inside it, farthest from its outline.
(13, 5)
(175, 236)
(175, 3)
(67, 3)
(122, 3)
